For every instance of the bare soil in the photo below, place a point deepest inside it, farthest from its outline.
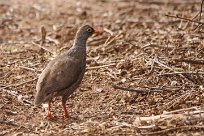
(160, 58)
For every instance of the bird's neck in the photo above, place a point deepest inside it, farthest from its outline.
(80, 41)
(79, 48)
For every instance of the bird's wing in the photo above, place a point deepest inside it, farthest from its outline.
(59, 75)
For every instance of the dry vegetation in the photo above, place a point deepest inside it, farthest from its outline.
(156, 60)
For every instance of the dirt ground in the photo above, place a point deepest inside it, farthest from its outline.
(158, 58)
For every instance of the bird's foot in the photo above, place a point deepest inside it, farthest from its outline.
(49, 116)
(66, 115)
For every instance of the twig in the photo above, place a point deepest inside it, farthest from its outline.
(176, 73)
(20, 97)
(190, 61)
(173, 129)
(105, 44)
(177, 100)
(152, 65)
(136, 90)
(30, 69)
(42, 48)
(169, 115)
(180, 110)
(113, 38)
(103, 66)
(7, 74)
(108, 31)
(199, 78)
(187, 19)
(159, 117)
(15, 85)
(8, 123)
(201, 9)
(97, 42)
(43, 32)
(161, 64)
(55, 41)
(169, 2)
(157, 46)
(148, 127)
(109, 40)
(200, 14)
(43, 37)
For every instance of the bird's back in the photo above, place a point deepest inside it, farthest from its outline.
(58, 76)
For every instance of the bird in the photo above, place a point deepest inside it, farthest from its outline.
(63, 75)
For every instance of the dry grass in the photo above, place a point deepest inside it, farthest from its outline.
(156, 60)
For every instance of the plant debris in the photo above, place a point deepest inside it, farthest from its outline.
(144, 73)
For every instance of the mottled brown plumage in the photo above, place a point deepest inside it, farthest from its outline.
(64, 73)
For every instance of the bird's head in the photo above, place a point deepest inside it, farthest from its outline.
(86, 31)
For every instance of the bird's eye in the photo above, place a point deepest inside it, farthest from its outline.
(89, 30)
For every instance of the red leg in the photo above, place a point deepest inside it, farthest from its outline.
(66, 114)
(49, 114)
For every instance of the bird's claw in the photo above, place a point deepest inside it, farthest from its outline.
(66, 115)
(49, 116)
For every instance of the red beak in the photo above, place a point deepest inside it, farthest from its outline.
(97, 31)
